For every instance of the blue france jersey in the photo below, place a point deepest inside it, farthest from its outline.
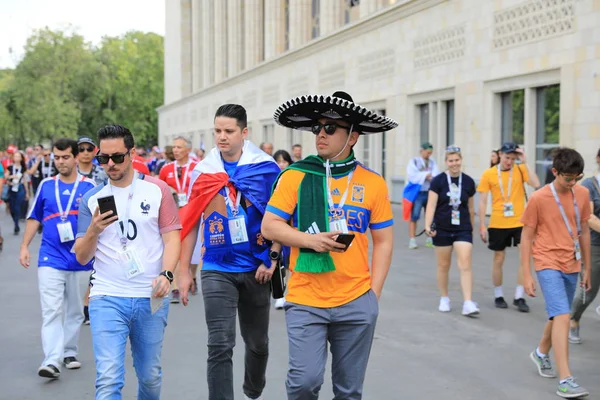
(45, 209)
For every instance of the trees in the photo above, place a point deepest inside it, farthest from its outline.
(64, 86)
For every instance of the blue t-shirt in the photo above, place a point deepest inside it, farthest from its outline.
(53, 253)
(240, 261)
(443, 210)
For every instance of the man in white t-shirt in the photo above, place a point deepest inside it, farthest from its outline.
(133, 267)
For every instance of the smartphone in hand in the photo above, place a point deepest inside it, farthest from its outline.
(345, 238)
(107, 203)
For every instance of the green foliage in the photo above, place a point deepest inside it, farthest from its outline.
(64, 86)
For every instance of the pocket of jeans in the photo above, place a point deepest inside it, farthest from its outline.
(374, 303)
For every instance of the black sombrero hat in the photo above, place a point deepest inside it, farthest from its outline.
(303, 111)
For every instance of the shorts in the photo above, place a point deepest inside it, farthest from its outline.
(501, 238)
(447, 238)
(419, 204)
(558, 289)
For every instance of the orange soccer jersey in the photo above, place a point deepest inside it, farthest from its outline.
(367, 206)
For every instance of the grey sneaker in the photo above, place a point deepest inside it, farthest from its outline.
(574, 335)
(412, 244)
(429, 243)
(543, 365)
(569, 389)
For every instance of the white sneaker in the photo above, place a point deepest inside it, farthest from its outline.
(470, 309)
(444, 305)
(412, 243)
(259, 397)
(279, 303)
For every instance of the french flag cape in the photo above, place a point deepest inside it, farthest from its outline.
(253, 177)
(411, 191)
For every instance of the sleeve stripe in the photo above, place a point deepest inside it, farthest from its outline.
(278, 212)
(381, 225)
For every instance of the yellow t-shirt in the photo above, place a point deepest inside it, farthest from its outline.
(367, 206)
(489, 183)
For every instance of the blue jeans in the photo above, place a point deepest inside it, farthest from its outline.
(558, 289)
(113, 320)
(419, 204)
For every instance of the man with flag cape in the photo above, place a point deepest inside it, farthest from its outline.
(228, 195)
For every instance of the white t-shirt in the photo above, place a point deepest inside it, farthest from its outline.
(152, 213)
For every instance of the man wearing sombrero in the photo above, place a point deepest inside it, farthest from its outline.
(333, 293)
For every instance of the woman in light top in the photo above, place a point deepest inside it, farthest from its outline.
(449, 221)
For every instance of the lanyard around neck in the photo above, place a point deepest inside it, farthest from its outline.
(65, 213)
(507, 197)
(49, 174)
(564, 215)
(181, 185)
(328, 178)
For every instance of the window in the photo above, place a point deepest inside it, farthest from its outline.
(315, 30)
(513, 116)
(424, 123)
(547, 127)
(366, 150)
(351, 10)
(268, 133)
(286, 28)
(450, 122)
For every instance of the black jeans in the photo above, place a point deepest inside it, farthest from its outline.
(226, 294)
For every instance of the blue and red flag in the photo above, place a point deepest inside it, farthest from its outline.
(411, 191)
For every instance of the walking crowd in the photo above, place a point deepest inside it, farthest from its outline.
(124, 233)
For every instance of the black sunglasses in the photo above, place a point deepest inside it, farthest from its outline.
(117, 158)
(572, 178)
(86, 149)
(329, 128)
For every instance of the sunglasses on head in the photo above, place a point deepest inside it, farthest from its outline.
(117, 158)
(572, 178)
(452, 149)
(329, 128)
(88, 149)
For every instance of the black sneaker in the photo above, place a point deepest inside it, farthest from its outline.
(49, 371)
(521, 305)
(500, 303)
(71, 363)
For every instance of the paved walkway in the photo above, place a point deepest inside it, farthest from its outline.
(418, 352)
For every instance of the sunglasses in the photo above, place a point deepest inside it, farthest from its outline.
(572, 178)
(86, 149)
(117, 158)
(329, 128)
(452, 149)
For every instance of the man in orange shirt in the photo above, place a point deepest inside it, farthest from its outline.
(333, 294)
(177, 175)
(506, 183)
(557, 232)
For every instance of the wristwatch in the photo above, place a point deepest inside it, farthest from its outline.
(274, 255)
(167, 274)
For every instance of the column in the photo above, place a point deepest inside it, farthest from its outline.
(220, 29)
(197, 75)
(234, 37)
(367, 7)
(253, 41)
(208, 43)
(300, 22)
(274, 28)
(186, 48)
(331, 15)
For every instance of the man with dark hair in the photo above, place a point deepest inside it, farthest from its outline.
(506, 182)
(332, 202)
(229, 193)
(133, 268)
(85, 166)
(556, 232)
(56, 204)
(42, 168)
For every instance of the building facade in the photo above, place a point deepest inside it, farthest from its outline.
(474, 73)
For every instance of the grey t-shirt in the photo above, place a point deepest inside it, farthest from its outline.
(595, 199)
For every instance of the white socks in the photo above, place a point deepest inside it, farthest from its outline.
(498, 292)
(519, 292)
(540, 354)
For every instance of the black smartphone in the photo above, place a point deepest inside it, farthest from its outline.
(107, 203)
(345, 238)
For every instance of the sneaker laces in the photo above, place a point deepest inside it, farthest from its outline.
(571, 382)
(546, 363)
